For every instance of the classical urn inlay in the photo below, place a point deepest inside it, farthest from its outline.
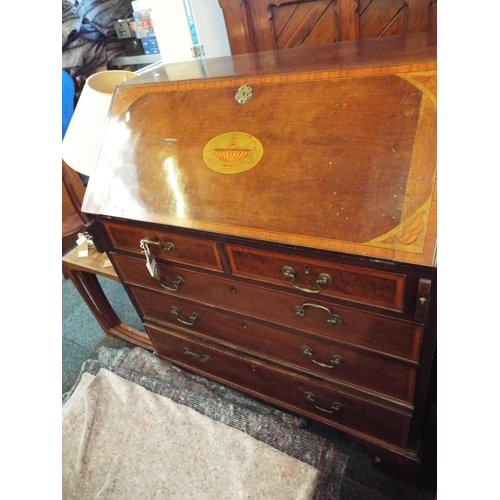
(232, 152)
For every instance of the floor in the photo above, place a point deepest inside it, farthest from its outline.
(82, 336)
(81, 333)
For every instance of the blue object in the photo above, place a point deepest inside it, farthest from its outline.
(68, 100)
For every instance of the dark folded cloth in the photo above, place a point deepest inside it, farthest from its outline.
(88, 36)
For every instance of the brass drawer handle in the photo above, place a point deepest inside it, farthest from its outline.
(335, 361)
(192, 319)
(332, 318)
(169, 247)
(203, 358)
(323, 280)
(178, 281)
(335, 406)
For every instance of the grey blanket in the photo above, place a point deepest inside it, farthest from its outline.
(121, 441)
(278, 429)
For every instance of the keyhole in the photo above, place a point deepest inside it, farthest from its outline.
(307, 270)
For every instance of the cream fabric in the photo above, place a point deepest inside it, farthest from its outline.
(121, 441)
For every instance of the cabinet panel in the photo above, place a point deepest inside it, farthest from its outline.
(169, 246)
(318, 357)
(280, 387)
(260, 25)
(317, 277)
(328, 167)
(362, 329)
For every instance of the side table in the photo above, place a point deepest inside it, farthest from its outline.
(83, 272)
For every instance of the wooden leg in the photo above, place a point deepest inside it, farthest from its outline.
(90, 289)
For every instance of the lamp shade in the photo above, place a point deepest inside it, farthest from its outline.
(83, 138)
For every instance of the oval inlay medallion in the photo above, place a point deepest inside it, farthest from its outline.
(233, 152)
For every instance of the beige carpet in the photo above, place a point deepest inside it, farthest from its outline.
(121, 441)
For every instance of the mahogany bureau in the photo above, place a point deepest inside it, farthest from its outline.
(273, 219)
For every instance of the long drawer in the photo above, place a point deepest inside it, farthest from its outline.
(372, 331)
(319, 277)
(320, 358)
(296, 393)
(169, 246)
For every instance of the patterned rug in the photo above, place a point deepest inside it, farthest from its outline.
(276, 428)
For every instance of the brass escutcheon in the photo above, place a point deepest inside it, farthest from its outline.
(243, 94)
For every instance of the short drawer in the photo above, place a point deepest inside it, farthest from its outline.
(372, 331)
(282, 388)
(172, 247)
(319, 357)
(318, 277)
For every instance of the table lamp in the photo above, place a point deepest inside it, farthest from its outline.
(82, 142)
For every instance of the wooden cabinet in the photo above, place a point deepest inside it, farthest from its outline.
(274, 224)
(259, 25)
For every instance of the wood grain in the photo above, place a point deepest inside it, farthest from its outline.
(355, 130)
(345, 186)
(269, 383)
(262, 25)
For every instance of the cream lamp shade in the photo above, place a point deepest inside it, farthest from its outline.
(83, 138)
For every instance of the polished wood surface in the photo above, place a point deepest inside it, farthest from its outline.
(73, 219)
(369, 57)
(377, 334)
(365, 146)
(349, 282)
(262, 25)
(171, 246)
(357, 415)
(95, 263)
(328, 168)
(83, 272)
(369, 372)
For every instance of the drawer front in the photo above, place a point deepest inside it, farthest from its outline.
(367, 330)
(172, 247)
(282, 388)
(358, 284)
(319, 358)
